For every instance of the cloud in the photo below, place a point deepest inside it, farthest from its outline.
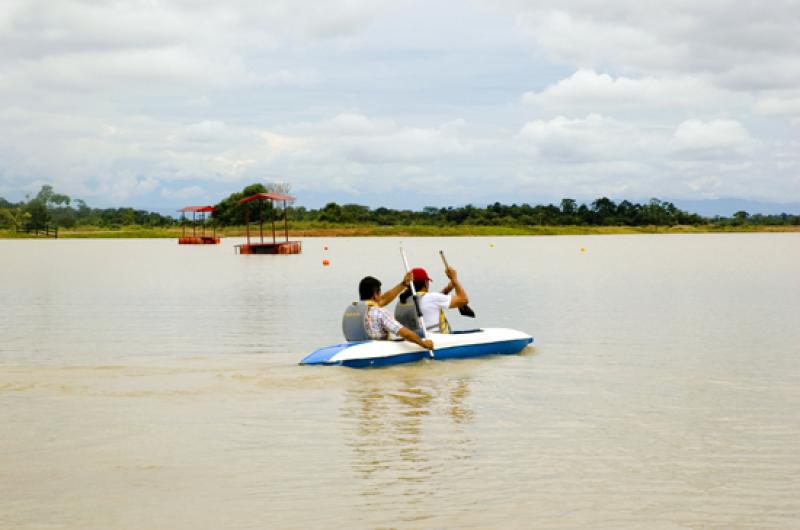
(356, 138)
(582, 140)
(598, 155)
(187, 192)
(600, 138)
(586, 89)
(714, 39)
(714, 138)
(81, 150)
(779, 103)
(142, 153)
(86, 45)
(125, 187)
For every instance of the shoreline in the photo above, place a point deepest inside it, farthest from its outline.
(133, 232)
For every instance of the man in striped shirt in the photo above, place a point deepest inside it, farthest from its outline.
(378, 321)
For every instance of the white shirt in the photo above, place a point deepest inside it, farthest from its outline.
(430, 304)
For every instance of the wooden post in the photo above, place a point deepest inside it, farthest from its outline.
(285, 221)
(261, 221)
(247, 221)
(272, 216)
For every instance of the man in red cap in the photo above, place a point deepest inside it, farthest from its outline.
(433, 305)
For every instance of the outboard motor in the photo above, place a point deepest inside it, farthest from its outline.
(406, 314)
(354, 324)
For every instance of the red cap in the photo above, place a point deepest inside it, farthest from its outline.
(420, 275)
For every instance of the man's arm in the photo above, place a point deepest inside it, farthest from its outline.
(460, 299)
(413, 337)
(393, 326)
(391, 294)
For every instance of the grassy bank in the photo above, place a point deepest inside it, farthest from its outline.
(326, 230)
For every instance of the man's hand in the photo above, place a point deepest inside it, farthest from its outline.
(460, 299)
(410, 336)
(391, 294)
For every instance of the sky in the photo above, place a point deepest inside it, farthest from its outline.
(164, 103)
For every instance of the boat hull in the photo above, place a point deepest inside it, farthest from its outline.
(458, 345)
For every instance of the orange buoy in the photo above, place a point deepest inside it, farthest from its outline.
(326, 262)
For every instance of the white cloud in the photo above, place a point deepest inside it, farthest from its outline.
(706, 186)
(586, 89)
(716, 39)
(588, 43)
(84, 45)
(598, 155)
(581, 140)
(357, 138)
(187, 192)
(140, 153)
(714, 138)
(125, 187)
(779, 103)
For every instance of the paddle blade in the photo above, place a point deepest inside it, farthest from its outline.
(466, 311)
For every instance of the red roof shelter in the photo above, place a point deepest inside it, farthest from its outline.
(194, 239)
(276, 247)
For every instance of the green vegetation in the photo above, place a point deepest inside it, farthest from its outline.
(602, 216)
(50, 209)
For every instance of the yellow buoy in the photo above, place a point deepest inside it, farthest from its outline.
(583, 249)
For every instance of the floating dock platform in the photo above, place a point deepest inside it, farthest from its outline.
(199, 240)
(196, 239)
(283, 247)
(262, 247)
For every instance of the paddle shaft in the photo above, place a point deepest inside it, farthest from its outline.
(465, 309)
(415, 299)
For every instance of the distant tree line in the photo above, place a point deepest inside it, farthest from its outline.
(48, 208)
(54, 209)
(600, 212)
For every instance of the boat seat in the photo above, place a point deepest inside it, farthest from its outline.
(354, 324)
(406, 314)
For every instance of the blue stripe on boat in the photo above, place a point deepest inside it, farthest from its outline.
(322, 355)
(385, 361)
(506, 347)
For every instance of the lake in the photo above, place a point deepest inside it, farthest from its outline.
(145, 384)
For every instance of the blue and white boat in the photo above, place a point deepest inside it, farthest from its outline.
(456, 345)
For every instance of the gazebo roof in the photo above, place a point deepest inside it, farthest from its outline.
(270, 196)
(197, 209)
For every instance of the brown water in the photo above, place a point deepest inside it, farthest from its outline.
(147, 385)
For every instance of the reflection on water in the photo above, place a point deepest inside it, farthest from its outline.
(392, 430)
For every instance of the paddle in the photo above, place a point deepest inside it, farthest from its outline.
(416, 300)
(464, 309)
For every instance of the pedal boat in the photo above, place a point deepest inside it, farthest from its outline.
(456, 345)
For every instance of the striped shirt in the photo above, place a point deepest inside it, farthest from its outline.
(379, 323)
